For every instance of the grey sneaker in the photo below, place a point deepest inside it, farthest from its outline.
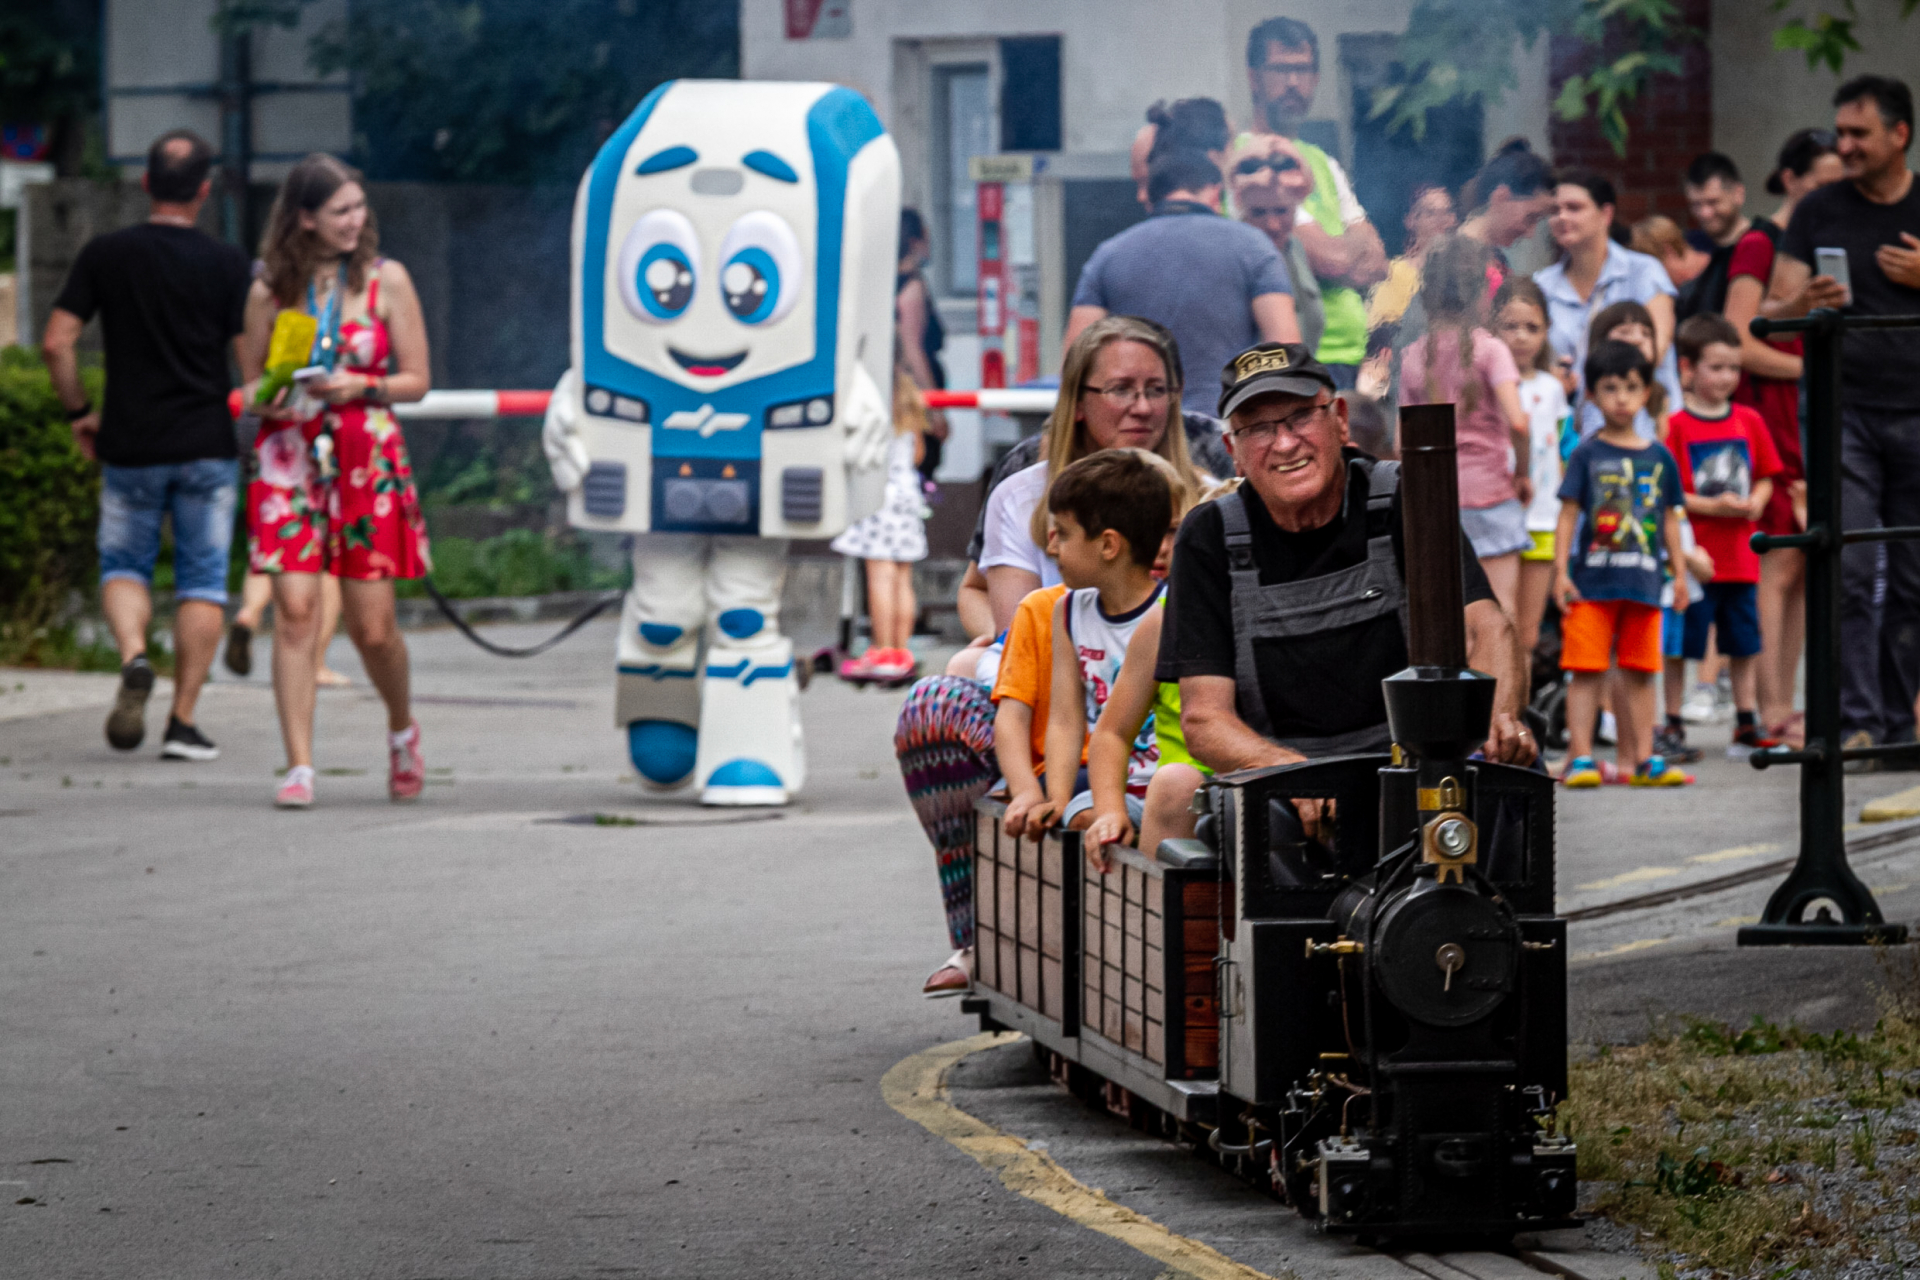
(1672, 744)
(127, 724)
(1859, 738)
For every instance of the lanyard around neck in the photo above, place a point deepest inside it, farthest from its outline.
(326, 343)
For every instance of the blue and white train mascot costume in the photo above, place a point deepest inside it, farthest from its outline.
(734, 247)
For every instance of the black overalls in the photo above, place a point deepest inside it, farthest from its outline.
(1294, 610)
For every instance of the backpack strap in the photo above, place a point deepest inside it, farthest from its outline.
(1383, 481)
(1233, 515)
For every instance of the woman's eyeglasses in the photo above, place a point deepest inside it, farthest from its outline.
(1123, 394)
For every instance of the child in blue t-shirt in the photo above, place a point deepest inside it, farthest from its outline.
(1621, 494)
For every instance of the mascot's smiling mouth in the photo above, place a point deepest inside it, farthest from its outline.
(707, 366)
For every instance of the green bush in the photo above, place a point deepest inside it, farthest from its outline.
(519, 562)
(49, 497)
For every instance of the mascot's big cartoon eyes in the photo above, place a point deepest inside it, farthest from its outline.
(657, 271)
(760, 268)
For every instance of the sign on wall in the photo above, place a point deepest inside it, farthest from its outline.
(819, 19)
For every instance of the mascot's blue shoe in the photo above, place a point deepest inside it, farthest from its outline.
(663, 752)
(743, 782)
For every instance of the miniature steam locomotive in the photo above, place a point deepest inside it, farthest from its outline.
(1372, 1019)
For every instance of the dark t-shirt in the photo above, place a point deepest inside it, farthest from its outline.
(1876, 367)
(1206, 448)
(1195, 272)
(1315, 686)
(169, 299)
(1619, 544)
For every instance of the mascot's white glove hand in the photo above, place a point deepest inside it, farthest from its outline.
(560, 436)
(869, 422)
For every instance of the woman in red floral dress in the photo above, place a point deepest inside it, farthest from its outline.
(335, 493)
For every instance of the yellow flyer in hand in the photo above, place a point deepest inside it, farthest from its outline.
(287, 352)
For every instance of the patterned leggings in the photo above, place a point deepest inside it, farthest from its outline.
(944, 740)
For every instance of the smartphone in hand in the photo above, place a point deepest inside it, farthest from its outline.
(1833, 262)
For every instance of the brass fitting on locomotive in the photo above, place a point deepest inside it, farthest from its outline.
(1450, 840)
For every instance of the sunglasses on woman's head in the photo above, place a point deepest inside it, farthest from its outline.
(1254, 164)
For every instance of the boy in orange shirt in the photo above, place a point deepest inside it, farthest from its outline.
(1021, 702)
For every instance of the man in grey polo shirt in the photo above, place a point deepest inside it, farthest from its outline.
(1218, 285)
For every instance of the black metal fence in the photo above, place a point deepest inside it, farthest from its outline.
(1822, 902)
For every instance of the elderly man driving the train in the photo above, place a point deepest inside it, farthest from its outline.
(1287, 599)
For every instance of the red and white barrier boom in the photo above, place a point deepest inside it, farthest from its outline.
(533, 404)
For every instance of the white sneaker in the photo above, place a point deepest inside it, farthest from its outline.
(1609, 731)
(1701, 705)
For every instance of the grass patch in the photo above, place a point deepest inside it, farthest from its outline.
(59, 647)
(1762, 1150)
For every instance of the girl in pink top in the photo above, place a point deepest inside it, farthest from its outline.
(1459, 362)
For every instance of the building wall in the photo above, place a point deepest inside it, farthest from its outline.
(162, 70)
(1671, 121)
(1118, 56)
(1771, 94)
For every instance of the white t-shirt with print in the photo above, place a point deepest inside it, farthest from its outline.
(1100, 643)
(1544, 401)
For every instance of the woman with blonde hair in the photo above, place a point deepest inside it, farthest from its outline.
(1120, 387)
(335, 494)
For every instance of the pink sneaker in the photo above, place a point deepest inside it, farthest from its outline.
(296, 789)
(893, 664)
(407, 772)
(860, 668)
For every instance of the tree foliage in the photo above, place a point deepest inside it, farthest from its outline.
(1828, 38)
(1463, 50)
(507, 90)
(49, 61)
(50, 71)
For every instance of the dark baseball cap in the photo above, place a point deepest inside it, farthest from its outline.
(1272, 368)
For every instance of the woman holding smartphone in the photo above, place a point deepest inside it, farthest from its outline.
(335, 494)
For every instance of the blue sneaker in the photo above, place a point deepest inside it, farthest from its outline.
(1581, 772)
(744, 783)
(663, 752)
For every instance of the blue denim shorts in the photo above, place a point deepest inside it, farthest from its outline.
(1498, 530)
(199, 495)
(1732, 609)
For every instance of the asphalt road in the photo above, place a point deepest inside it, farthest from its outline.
(484, 1036)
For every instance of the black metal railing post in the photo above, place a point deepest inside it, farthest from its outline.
(1822, 902)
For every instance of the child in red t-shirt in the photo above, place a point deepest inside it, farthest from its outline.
(1727, 467)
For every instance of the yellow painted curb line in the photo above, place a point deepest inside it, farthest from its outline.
(917, 1088)
(1901, 804)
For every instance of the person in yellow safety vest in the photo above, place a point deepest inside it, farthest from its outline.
(1283, 72)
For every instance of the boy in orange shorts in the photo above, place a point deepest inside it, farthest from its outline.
(1621, 494)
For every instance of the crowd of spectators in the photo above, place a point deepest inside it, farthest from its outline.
(1621, 437)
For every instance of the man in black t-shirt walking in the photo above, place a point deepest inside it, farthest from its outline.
(170, 299)
(1874, 219)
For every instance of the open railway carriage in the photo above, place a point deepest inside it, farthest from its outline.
(1374, 1019)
